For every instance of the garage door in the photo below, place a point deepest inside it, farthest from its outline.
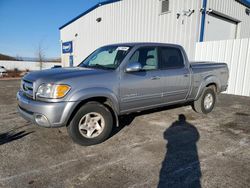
(219, 28)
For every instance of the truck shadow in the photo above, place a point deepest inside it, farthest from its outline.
(126, 120)
(12, 135)
(181, 166)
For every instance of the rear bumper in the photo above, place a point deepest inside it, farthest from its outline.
(224, 88)
(44, 114)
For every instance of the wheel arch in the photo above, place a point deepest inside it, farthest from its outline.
(101, 95)
(207, 82)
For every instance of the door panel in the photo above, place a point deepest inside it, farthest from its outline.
(144, 88)
(175, 75)
(176, 84)
(140, 89)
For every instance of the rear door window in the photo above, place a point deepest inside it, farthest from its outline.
(170, 58)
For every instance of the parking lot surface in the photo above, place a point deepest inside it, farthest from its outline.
(170, 147)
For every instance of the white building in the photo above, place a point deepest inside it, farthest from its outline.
(183, 22)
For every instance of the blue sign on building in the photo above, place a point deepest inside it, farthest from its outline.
(67, 47)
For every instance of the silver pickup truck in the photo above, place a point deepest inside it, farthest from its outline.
(115, 80)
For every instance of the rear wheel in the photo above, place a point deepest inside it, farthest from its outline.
(205, 104)
(91, 125)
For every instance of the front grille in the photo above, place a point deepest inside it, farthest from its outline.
(27, 88)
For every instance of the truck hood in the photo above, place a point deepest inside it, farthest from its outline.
(59, 74)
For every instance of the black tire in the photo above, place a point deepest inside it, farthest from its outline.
(73, 128)
(199, 105)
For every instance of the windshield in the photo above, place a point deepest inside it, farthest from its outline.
(108, 57)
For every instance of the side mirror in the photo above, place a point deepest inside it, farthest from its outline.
(133, 67)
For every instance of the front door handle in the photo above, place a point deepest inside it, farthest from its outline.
(185, 75)
(155, 78)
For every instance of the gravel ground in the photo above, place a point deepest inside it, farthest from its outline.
(171, 147)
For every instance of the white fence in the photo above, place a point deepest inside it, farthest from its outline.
(24, 65)
(236, 53)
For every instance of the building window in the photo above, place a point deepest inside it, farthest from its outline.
(164, 6)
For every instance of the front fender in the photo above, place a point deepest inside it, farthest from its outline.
(206, 81)
(88, 93)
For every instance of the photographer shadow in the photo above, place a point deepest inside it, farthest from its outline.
(181, 166)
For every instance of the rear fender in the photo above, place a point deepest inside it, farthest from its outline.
(206, 81)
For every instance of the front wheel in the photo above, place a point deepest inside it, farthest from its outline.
(205, 104)
(91, 125)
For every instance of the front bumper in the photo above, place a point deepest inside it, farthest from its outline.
(45, 114)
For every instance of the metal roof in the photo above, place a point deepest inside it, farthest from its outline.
(245, 2)
(89, 10)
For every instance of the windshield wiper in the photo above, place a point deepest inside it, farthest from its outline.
(98, 66)
(83, 65)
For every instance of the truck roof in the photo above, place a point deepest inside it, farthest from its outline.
(144, 44)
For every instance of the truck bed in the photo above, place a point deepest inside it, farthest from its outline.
(207, 64)
(203, 69)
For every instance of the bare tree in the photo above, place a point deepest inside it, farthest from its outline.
(19, 58)
(40, 54)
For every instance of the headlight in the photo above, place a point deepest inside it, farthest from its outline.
(52, 91)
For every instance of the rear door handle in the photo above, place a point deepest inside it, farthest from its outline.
(185, 75)
(155, 78)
